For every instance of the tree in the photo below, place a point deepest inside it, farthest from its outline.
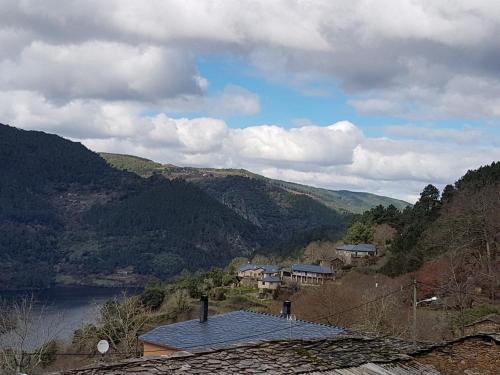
(429, 201)
(359, 233)
(458, 285)
(28, 336)
(448, 192)
(153, 297)
(120, 322)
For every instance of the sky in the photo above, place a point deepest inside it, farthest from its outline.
(378, 96)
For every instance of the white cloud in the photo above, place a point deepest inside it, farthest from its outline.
(101, 70)
(466, 135)
(306, 145)
(233, 100)
(407, 58)
(109, 72)
(337, 156)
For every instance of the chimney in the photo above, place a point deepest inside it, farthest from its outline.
(287, 309)
(203, 309)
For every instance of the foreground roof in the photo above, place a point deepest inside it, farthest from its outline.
(339, 355)
(311, 268)
(360, 248)
(495, 318)
(237, 327)
(269, 268)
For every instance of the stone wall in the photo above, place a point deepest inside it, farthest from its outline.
(486, 326)
(472, 356)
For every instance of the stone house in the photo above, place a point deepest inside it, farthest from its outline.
(269, 282)
(255, 272)
(354, 254)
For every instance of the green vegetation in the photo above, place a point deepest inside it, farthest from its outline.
(478, 312)
(341, 200)
(142, 167)
(464, 216)
(65, 212)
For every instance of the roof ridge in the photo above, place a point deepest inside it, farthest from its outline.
(297, 320)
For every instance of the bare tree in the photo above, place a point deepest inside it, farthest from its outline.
(121, 321)
(458, 286)
(25, 336)
(372, 303)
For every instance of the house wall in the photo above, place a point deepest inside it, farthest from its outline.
(268, 285)
(253, 274)
(151, 350)
(472, 356)
(349, 256)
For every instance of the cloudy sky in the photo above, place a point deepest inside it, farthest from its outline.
(379, 96)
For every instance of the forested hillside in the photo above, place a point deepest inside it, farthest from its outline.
(65, 214)
(339, 200)
(459, 227)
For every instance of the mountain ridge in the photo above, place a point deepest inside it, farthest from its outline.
(340, 200)
(66, 215)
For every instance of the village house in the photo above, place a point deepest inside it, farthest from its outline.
(311, 274)
(352, 254)
(225, 330)
(269, 282)
(256, 272)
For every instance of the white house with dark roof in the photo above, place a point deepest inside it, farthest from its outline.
(311, 274)
(353, 253)
(230, 329)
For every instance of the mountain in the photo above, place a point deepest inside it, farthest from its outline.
(340, 200)
(66, 215)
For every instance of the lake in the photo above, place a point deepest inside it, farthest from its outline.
(65, 309)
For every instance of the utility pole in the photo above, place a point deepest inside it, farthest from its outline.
(415, 313)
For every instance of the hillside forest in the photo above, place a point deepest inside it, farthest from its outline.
(69, 217)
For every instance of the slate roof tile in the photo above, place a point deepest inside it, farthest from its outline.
(233, 328)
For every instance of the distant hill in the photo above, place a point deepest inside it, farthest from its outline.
(66, 215)
(340, 200)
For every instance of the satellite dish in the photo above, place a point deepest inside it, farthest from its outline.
(102, 346)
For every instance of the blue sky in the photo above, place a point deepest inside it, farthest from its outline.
(288, 106)
(384, 96)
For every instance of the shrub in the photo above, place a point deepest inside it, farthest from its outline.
(153, 298)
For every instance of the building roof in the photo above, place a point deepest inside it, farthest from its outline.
(271, 279)
(360, 248)
(495, 318)
(225, 330)
(268, 268)
(337, 355)
(311, 268)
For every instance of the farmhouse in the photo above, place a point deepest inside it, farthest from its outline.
(311, 274)
(257, 271)
(354, 253)
(269, 282)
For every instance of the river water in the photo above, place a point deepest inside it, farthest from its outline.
(60, 311)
